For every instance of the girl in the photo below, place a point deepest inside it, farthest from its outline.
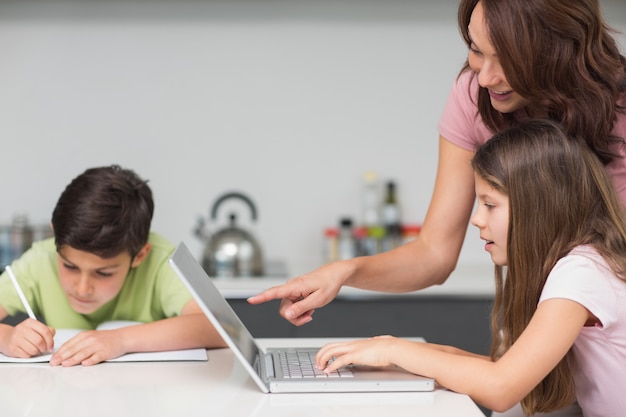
(548, 211)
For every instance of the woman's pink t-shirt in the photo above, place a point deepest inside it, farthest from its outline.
(462, 125)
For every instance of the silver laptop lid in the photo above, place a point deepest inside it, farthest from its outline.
(219, 312)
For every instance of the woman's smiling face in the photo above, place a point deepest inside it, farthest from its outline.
(484, 61)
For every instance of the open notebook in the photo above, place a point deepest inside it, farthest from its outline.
(265, 367)
(63, 335)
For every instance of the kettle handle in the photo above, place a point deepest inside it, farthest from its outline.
(233, 195)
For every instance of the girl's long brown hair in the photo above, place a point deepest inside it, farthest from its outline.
(560, 55)
(560, 197)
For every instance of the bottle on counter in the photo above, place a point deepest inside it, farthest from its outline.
(391, 218)
(372, 237)
(373, 240)
(331, 245)
(347, 245)
(371, 200)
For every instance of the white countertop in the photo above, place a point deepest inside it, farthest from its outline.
(466, 281)
(218, 387)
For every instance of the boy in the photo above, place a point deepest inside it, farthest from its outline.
(102, 264)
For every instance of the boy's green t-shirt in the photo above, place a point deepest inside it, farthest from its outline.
(152, 291)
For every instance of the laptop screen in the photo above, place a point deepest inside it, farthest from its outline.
(213, 303)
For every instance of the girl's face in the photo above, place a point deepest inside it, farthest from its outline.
(484, 61)
(492, 219)
(90, 281)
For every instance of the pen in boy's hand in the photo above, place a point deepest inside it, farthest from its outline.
(20, 293)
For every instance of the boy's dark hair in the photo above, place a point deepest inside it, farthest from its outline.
(104, 211)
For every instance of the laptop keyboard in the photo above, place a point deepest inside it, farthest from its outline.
(301, 364)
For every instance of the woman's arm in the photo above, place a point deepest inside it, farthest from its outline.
(548, 337)
(427, 261)
(432, 256)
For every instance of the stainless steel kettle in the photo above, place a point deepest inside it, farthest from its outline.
(231, 251)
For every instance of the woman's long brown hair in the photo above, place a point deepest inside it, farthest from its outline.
(560, 55)
(560, 197)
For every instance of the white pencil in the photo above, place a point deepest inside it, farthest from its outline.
(20, 293)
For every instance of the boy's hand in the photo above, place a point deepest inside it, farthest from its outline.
(30, 338)
(88, 348)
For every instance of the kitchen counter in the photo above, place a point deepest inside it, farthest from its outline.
(467, 281)
(217, 387)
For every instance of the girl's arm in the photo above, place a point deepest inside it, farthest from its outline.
(457, 351)
(189, 330)
(548, 337)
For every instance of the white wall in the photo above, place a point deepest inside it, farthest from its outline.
(287, 101)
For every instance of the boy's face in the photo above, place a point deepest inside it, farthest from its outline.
(90, 281)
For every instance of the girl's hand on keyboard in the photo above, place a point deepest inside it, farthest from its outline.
(372, 352)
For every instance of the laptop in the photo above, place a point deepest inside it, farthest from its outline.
(266, 367)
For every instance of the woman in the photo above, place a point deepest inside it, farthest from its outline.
(552, 59)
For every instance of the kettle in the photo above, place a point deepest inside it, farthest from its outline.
(231, 251)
